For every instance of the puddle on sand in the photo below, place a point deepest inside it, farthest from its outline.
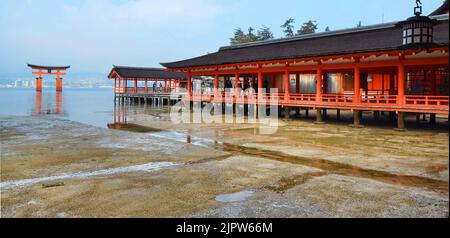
(134, 168)
(137, 128)
(186, 138)
(327, 166)
(343, 169)
(172, 135)
(234, 197)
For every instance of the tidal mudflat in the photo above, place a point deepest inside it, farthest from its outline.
(157, 169)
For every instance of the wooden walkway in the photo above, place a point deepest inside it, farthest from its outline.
(149, 98)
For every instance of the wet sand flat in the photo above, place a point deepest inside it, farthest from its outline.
(230, 172)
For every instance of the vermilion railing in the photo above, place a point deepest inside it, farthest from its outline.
(379, 99)
(337, 98)
(119, 90)
(301, 98)
(141, 90)
(433, 101)
(372, 98)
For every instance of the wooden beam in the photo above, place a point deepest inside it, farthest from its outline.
(47, 73)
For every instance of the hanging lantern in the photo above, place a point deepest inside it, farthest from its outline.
(417, 31)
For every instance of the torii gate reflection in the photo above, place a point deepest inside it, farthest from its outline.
(58, 108)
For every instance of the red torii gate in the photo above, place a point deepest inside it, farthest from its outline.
(48, 70)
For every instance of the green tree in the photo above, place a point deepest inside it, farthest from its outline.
(327, 29)
(308, 27)
(251, 35)
(239, 36)
(288, 27)
(264, 33)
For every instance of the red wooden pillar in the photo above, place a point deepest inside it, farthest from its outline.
(319, 85)
(433, 82)
(146, 86)
(39, 82)
(216, 85)
(225, 80)
(236, 83)
(189, 86)
(297, 83)
(125, 85)
(260, 85)
(115, 85)
(401, 84)
(357, 85)
(165, 86)
(135, 86)
(58, 82)
(286, 86)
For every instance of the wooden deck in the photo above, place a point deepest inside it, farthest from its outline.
(157, 98)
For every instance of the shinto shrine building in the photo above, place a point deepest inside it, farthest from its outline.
(146, 82)
(159, 79)
(398, 67)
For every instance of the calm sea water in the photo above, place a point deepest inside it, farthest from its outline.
(90, 106)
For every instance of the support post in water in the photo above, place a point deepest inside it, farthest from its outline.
(400, 121)
(356, 119)
(319, 118)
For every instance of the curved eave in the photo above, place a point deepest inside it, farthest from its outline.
(441, 10)
(179, 64)
(112, 73)
(308, 57)
(34, 66)
(157, 74)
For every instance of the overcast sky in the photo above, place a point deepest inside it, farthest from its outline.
(91, 35)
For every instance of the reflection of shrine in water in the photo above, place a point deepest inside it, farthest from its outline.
(48, 104)
(120, 117)
(123, 119)
(124, 112)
